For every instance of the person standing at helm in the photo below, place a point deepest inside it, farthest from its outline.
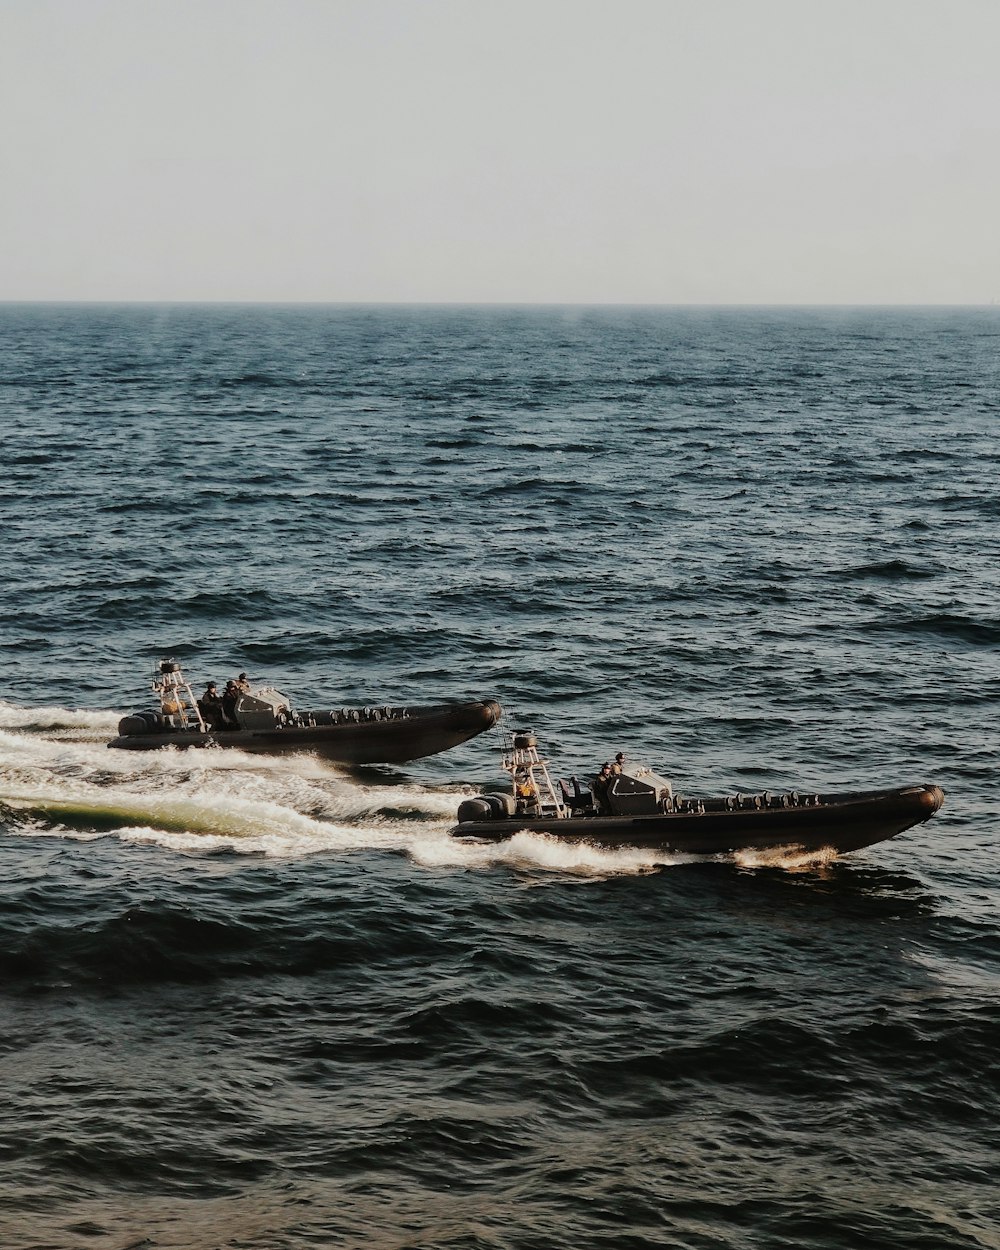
(210, 707)
(230, 697)
(599, 787)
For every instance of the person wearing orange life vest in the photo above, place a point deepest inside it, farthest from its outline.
(525, 791)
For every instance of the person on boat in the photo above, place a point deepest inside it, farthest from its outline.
(210, 707)
(525, 792)
(619, 763)
(242, 683)
(170, 704)
(599, 787)
(230, 697)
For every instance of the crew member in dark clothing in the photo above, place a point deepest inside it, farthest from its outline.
(599, 788)
(211, 709)
(230, 697)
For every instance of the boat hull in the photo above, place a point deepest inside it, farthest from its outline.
(837, 822)
(405, 734)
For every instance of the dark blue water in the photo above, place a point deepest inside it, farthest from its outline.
(269, 1004)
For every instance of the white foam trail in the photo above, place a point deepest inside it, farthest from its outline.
(540, 851)
(428, 847)
(48, 719)
(243, 815)
(193, 802)
(206, 800)
(788, 858)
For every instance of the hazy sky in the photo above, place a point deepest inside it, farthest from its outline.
(664, 151)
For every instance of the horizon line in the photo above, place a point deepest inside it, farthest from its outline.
(455, 303)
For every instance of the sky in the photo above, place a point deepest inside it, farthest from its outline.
(550, 151)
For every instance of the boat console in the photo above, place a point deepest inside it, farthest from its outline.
(638, 791)
(263, 708)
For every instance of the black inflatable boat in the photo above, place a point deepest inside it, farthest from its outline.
(260, 719)
(636, 807)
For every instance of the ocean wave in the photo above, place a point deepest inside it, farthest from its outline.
(257, 381)
(524, 486)
(889, 570)
(967, 629)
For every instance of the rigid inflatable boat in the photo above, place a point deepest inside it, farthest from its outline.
(261, 719)
(636, 807)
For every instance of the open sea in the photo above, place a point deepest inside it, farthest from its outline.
(253, 1003)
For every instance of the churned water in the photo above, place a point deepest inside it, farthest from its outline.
(269, 1004)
